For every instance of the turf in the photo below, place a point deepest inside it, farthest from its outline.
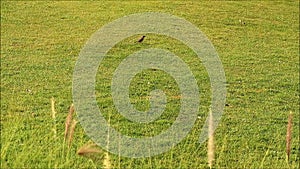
(257, 42)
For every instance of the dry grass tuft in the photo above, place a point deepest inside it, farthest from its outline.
(210, 145)
(68, 121)
(289, 136)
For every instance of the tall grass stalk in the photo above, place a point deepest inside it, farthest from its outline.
(53, 113)
(72, 129)
(106, 161)
(68, 121)
(210, 145)
(289, 136)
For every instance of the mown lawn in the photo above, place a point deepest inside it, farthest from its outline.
(257, 42)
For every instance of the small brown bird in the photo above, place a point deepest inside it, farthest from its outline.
(242, 22)
(141, 39)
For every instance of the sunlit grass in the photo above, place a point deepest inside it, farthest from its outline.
(257, 42)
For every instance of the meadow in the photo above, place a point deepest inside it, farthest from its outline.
(257, 42)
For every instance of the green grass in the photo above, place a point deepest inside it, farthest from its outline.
(40, 43)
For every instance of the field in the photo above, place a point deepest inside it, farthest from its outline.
(257, 42)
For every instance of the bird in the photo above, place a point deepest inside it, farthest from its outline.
(141, 39)
(242, 22)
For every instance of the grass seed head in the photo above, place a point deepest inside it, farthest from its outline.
(88, 149)
(210, 145)
(106, 161)
(68, 121)
(53, 108)
(72, 129)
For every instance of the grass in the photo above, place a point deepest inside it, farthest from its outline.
(40, 42)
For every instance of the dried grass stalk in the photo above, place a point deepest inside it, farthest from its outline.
(210, 145)
(68, 121)
(289, 135)
(106, 160)
(53, 112)
(72, 129)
